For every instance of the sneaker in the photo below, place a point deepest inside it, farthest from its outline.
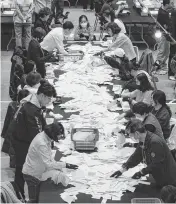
(172, 78)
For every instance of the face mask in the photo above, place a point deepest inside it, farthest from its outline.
(134, 140)
(84, 25)
(139, 118)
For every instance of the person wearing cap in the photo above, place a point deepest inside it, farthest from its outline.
(119, 61)
(120, 40)
(39, 160)
(54, 39)
(35, 52)
(154, 152)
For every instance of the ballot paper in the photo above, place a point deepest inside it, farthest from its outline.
(80, 81)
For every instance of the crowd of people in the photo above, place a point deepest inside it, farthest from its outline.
(28, 139)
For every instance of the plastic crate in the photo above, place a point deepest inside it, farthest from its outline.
(85, 145)
(73, 57)
(145, 200)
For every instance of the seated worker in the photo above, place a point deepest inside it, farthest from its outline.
(142, 112)
(84, 31)
(54, 39)
(33, 82)
(107, 15)
(154, 152)
(119, 61)
(171, 142)
(6, 132)
(39, 160)
(42, 19)
(35, 52)
(131, 84)
(120, 40)
(162, 112)
(143, 93)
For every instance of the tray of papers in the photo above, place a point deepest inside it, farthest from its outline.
(84, 138)
(71, 57)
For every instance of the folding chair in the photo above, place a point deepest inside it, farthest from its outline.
(12, 38)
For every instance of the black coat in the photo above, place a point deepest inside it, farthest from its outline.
(158, 158)
(42, 24)
(124, 68)
(29, 123)
(36, 54)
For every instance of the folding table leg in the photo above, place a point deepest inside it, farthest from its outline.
(95, 24)
(12, 38)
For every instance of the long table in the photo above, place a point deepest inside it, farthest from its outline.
(50, 193)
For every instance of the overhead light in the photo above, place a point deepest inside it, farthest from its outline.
(158, 34)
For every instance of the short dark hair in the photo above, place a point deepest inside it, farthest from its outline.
(165, 2)
(135, 125)
(29, 66)
(141, 108)
(168, 194)
(114, 27)
(39, 32)
(46, 88)
(68, 25)
(44, 12)
(144, 82)
(53, 130)
(33, 78)
(22, 94)
(160, 97)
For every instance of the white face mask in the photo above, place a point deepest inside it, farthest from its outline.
(139, 118)
(84, 25)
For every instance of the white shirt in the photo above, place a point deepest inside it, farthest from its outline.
(121, 25)
(39, 158)
(54, 40)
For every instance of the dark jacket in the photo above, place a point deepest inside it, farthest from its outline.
(164, 19)
(36, 54)
(29, 122)
(152, 124)
(11, 110)
(163, 116)
(124, 68)
(173, 23)
(42, 24)
(158, 158)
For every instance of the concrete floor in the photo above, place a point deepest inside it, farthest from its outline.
(7, 173)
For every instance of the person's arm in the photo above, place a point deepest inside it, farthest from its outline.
(18, 11)
(129, 94)
(49, 162)
(30, 11)
(157, 158)
(135, 158)
(37, 50)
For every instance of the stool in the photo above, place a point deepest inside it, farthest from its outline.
(67, 2)
(12, 38)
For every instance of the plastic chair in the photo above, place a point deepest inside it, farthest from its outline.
(67, 2)
(145, 200)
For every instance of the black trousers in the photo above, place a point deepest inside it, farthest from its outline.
(86, 2)
(172, 53)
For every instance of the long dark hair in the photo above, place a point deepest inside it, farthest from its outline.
(144, 83)
(114, 27)
(160, 97)
(80, 19)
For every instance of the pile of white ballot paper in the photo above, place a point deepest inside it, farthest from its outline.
(80, 81)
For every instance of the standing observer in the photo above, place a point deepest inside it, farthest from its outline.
(22, 22)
